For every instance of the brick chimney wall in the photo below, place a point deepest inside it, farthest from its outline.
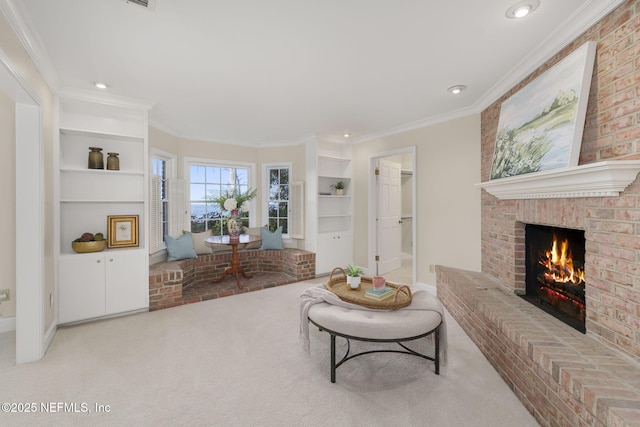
(611, 224)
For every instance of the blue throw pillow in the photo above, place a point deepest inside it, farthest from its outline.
(271, 240)
(180, 248)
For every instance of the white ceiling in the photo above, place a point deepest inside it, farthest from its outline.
(257, 72)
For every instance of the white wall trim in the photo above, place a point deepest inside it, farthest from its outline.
(20, 21)
(49, 335)
(265, 190)
(30, 246)
(171, 157)
(373, 208)
(584, 18)
(418, 124)
(186, 173)
(29, 212)
(92, 96)
(7, 324)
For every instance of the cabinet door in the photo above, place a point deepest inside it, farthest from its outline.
(81, 287)
(334, 250)
(127, 281)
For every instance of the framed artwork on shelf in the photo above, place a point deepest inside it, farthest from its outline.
(540, 126)
(122, 231)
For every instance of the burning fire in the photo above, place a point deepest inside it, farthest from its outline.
(559, 264)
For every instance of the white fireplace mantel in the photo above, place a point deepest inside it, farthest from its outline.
(602, 179)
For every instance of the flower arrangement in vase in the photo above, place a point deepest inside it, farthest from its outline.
(235, 202)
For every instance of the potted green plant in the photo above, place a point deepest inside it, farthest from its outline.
(354, 274)
(338, 187)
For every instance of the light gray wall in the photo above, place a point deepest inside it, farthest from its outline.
(447, 202)
(8, 209)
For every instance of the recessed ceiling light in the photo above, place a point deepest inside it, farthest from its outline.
(456, 89)
(522, 9)
(346, 134)
(100, 85)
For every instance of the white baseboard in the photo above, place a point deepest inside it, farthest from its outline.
(48, 337)
(7, 324)
(432, 289)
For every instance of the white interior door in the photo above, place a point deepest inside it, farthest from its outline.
(389, 211)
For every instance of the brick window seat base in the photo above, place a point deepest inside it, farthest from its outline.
(563, 377)
(169, 280)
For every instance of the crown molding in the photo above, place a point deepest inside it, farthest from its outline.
(20, 22)
(429, 121)
(105, 98)
(602, 179)
(14, 84)
(264, 144)
(584, 18)
(288, 143)
(162, 127)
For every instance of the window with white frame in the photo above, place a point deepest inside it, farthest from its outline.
(159, 169)
(207, 181)
(278, 176)
(163, 170)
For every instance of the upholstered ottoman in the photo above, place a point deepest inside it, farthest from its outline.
(399, 326)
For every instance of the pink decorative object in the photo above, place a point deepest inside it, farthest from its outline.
(378, 282)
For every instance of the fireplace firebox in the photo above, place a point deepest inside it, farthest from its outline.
(555, 279)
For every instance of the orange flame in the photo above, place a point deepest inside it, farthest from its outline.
(559, 264)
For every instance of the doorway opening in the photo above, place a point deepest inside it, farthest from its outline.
(30, 341)
(392, 230)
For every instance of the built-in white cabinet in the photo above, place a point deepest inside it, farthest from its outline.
(334, 208)
(334, 250)
(101, 284)
(116, 279)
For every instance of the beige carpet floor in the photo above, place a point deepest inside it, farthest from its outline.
(238, 361)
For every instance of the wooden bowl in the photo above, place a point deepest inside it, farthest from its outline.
(93, 246)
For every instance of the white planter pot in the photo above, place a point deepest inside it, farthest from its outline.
(353, 282)
(339, 192)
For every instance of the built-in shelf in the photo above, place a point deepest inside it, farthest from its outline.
(602, 179)
(334, 212)
(102, 135)
(100, 201)
(101, 171)
(115, 281)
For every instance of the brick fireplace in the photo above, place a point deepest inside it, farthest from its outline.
(564, 377)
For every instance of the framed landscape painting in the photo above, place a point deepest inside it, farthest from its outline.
(540, 126)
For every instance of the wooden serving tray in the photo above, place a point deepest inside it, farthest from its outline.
(339, 286)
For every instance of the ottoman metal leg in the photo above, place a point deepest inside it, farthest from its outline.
(400, 341)
(437, 355)
(333, 358)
